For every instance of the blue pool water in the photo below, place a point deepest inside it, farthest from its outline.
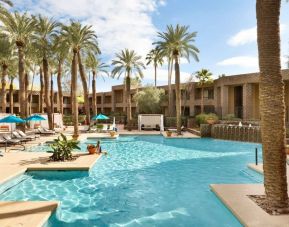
(145, 181)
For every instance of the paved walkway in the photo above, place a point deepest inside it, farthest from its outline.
(17, 163)
(185, 135)
(235, 197)
(259, 168)
(26, 214)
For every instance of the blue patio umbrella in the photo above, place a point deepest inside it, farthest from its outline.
(35, 117)
(100, 117)
(11, 119)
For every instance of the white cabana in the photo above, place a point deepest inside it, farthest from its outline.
(150, 121)
(58, 123)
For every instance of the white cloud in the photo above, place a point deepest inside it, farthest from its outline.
(118, 24)
(247, 36)
(251, 62)
(162, 76)
(241, 61)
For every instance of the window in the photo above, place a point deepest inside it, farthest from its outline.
(198, 93)
(209, 109)
(107, 99)
(209, 93)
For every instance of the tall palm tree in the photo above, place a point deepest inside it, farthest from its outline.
(97, 68)
(83, 40)
(204, 77)
(61, 50)
(42, 88)
(6, 2)
(46, 29)
(12, 74)
(272, 104)
(178, 42)
(127, 62)
(19, 27)
(6, 58)
(155, 57)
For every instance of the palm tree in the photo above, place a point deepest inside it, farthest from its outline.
(127, 62)
(272, 104)
(61, 50)
(12, 74)
(82, 40)
(70, 33)
(204, 77)
(6, 59)
(97, 67)
(42, 88)
(155, 57)
(7, 2)
(178, 42)
(19, 27)
(187, 88)
(46, 29)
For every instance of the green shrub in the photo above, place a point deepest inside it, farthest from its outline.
(202, 118)
(229, 117)
(172, 121)
(62, 148)
(99, 127)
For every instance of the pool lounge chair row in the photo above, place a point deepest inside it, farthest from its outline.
(44, 131)
(19, 137)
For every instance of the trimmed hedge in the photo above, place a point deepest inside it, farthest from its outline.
(172, 121)
(202, 118)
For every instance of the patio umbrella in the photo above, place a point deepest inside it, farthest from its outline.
(100, 117)
(11, 119)
(36, 117)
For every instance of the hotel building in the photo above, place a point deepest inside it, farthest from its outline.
(237, 95)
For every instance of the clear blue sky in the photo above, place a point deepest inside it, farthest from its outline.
(226, 29)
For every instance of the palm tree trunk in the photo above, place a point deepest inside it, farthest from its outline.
(128, 99)
(178, 95)
(11, 103)
(202, 100)
(73, 94)
(26, 94)
(52, 98)
(21, 72)
(31, 95)
(41, 101)
(85, 89)
(3, 88)
(46, 91)
(170, 93)
(272, 103)
(155, 75)
(59, 87)
(94, 103)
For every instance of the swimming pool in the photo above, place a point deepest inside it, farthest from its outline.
(145, 181)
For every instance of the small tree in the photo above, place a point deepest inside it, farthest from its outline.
(149, 100)
(204, 76)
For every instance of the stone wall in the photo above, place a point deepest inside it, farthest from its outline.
(232, 132)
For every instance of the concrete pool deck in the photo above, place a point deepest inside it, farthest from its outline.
(235, 197)
(17, 163)
(26, 213)
(185, 135)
